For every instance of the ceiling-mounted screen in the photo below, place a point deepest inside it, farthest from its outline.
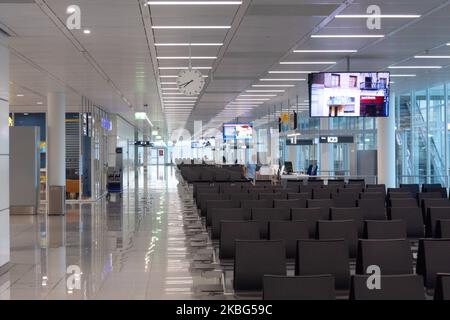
(349, 94)
(238, 131)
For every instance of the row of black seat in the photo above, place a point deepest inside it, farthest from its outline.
(320, 236)
(255, 259)
(321, 287)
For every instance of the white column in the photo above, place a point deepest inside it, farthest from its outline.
(4, 152)
(56, 139)
(386, 147)
(326, 150)
(112, 141)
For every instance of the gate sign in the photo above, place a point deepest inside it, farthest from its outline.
(336, 139)
(143, 144)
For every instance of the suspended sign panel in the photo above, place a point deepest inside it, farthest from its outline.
(291, 142)
(336, 139)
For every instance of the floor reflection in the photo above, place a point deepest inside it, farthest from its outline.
(131, 247)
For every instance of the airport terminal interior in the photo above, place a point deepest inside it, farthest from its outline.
(224, 150)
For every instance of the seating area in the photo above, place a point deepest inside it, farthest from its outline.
(318, 240)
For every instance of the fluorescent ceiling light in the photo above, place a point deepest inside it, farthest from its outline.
(168, 83)
(262, 99)
(184, 68)
(175, 76)
(20, 95)
(142, 116)
(168, 89)
(178, 104)
(173, 93)
(185, 57)
(415, 67)
(286, 79)
(39, 102)
(432, 57)
(176, 101)
(187, 44)
(181, 98)
(308, 62)
(402, 75)
(396, 16)
(347, 36)
(192, 3)
(191, 27)
(87, 31)
(265, 90)
(293, 72)
(273, 85)
(325, 51)
(257, 95)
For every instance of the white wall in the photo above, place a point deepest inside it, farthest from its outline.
(4, 152)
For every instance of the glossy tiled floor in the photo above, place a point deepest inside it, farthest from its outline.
(146, 245)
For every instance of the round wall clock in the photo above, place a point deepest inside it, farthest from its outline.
(190, 82)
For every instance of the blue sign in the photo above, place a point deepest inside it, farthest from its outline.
(106, 124)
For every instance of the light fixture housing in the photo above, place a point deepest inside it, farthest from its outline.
(325, 51)
(347, 36)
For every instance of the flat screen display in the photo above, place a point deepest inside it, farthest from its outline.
(349, 94)
(238, 131)
(204, 143)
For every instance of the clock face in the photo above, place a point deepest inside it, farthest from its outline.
(190, 82)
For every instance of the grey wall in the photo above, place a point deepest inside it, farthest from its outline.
(24, 166)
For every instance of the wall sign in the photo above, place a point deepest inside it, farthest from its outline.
(106, 124)
(303, 142)
(143, 144)
(336, 139)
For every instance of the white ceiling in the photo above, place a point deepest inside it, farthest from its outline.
(118, 66)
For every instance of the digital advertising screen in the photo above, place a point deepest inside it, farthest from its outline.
(238, 131)
(349, 94)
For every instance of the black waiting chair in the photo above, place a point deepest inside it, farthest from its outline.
(271, 196)
(264, 215)
(321, 193)
(219, 214)
(349, 214)
(339, 229)
(433, 257)
(205, 197)
(392, 256)
(323, 204)
(412, 218)
(290, 232)
(315, 287)
(442, 288)
(248, 205)
(405, 203)
(392, 287)
(372, 209)
(210, 204)
(230, 231)
(428, 203)
(324, 257)
(413, 188)
(443, 228)
(345, 200)
(388, 229)
(294, 203)
(372, 195)
(299, 196)
(310, 215)
(433, 215)
(254, 259)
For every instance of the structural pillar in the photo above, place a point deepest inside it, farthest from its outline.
(386, 147)
(56, 161)
(326, 151)
(4, 152)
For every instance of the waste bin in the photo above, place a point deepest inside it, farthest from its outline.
(57, 200)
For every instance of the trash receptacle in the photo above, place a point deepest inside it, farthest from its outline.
(57, 200)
